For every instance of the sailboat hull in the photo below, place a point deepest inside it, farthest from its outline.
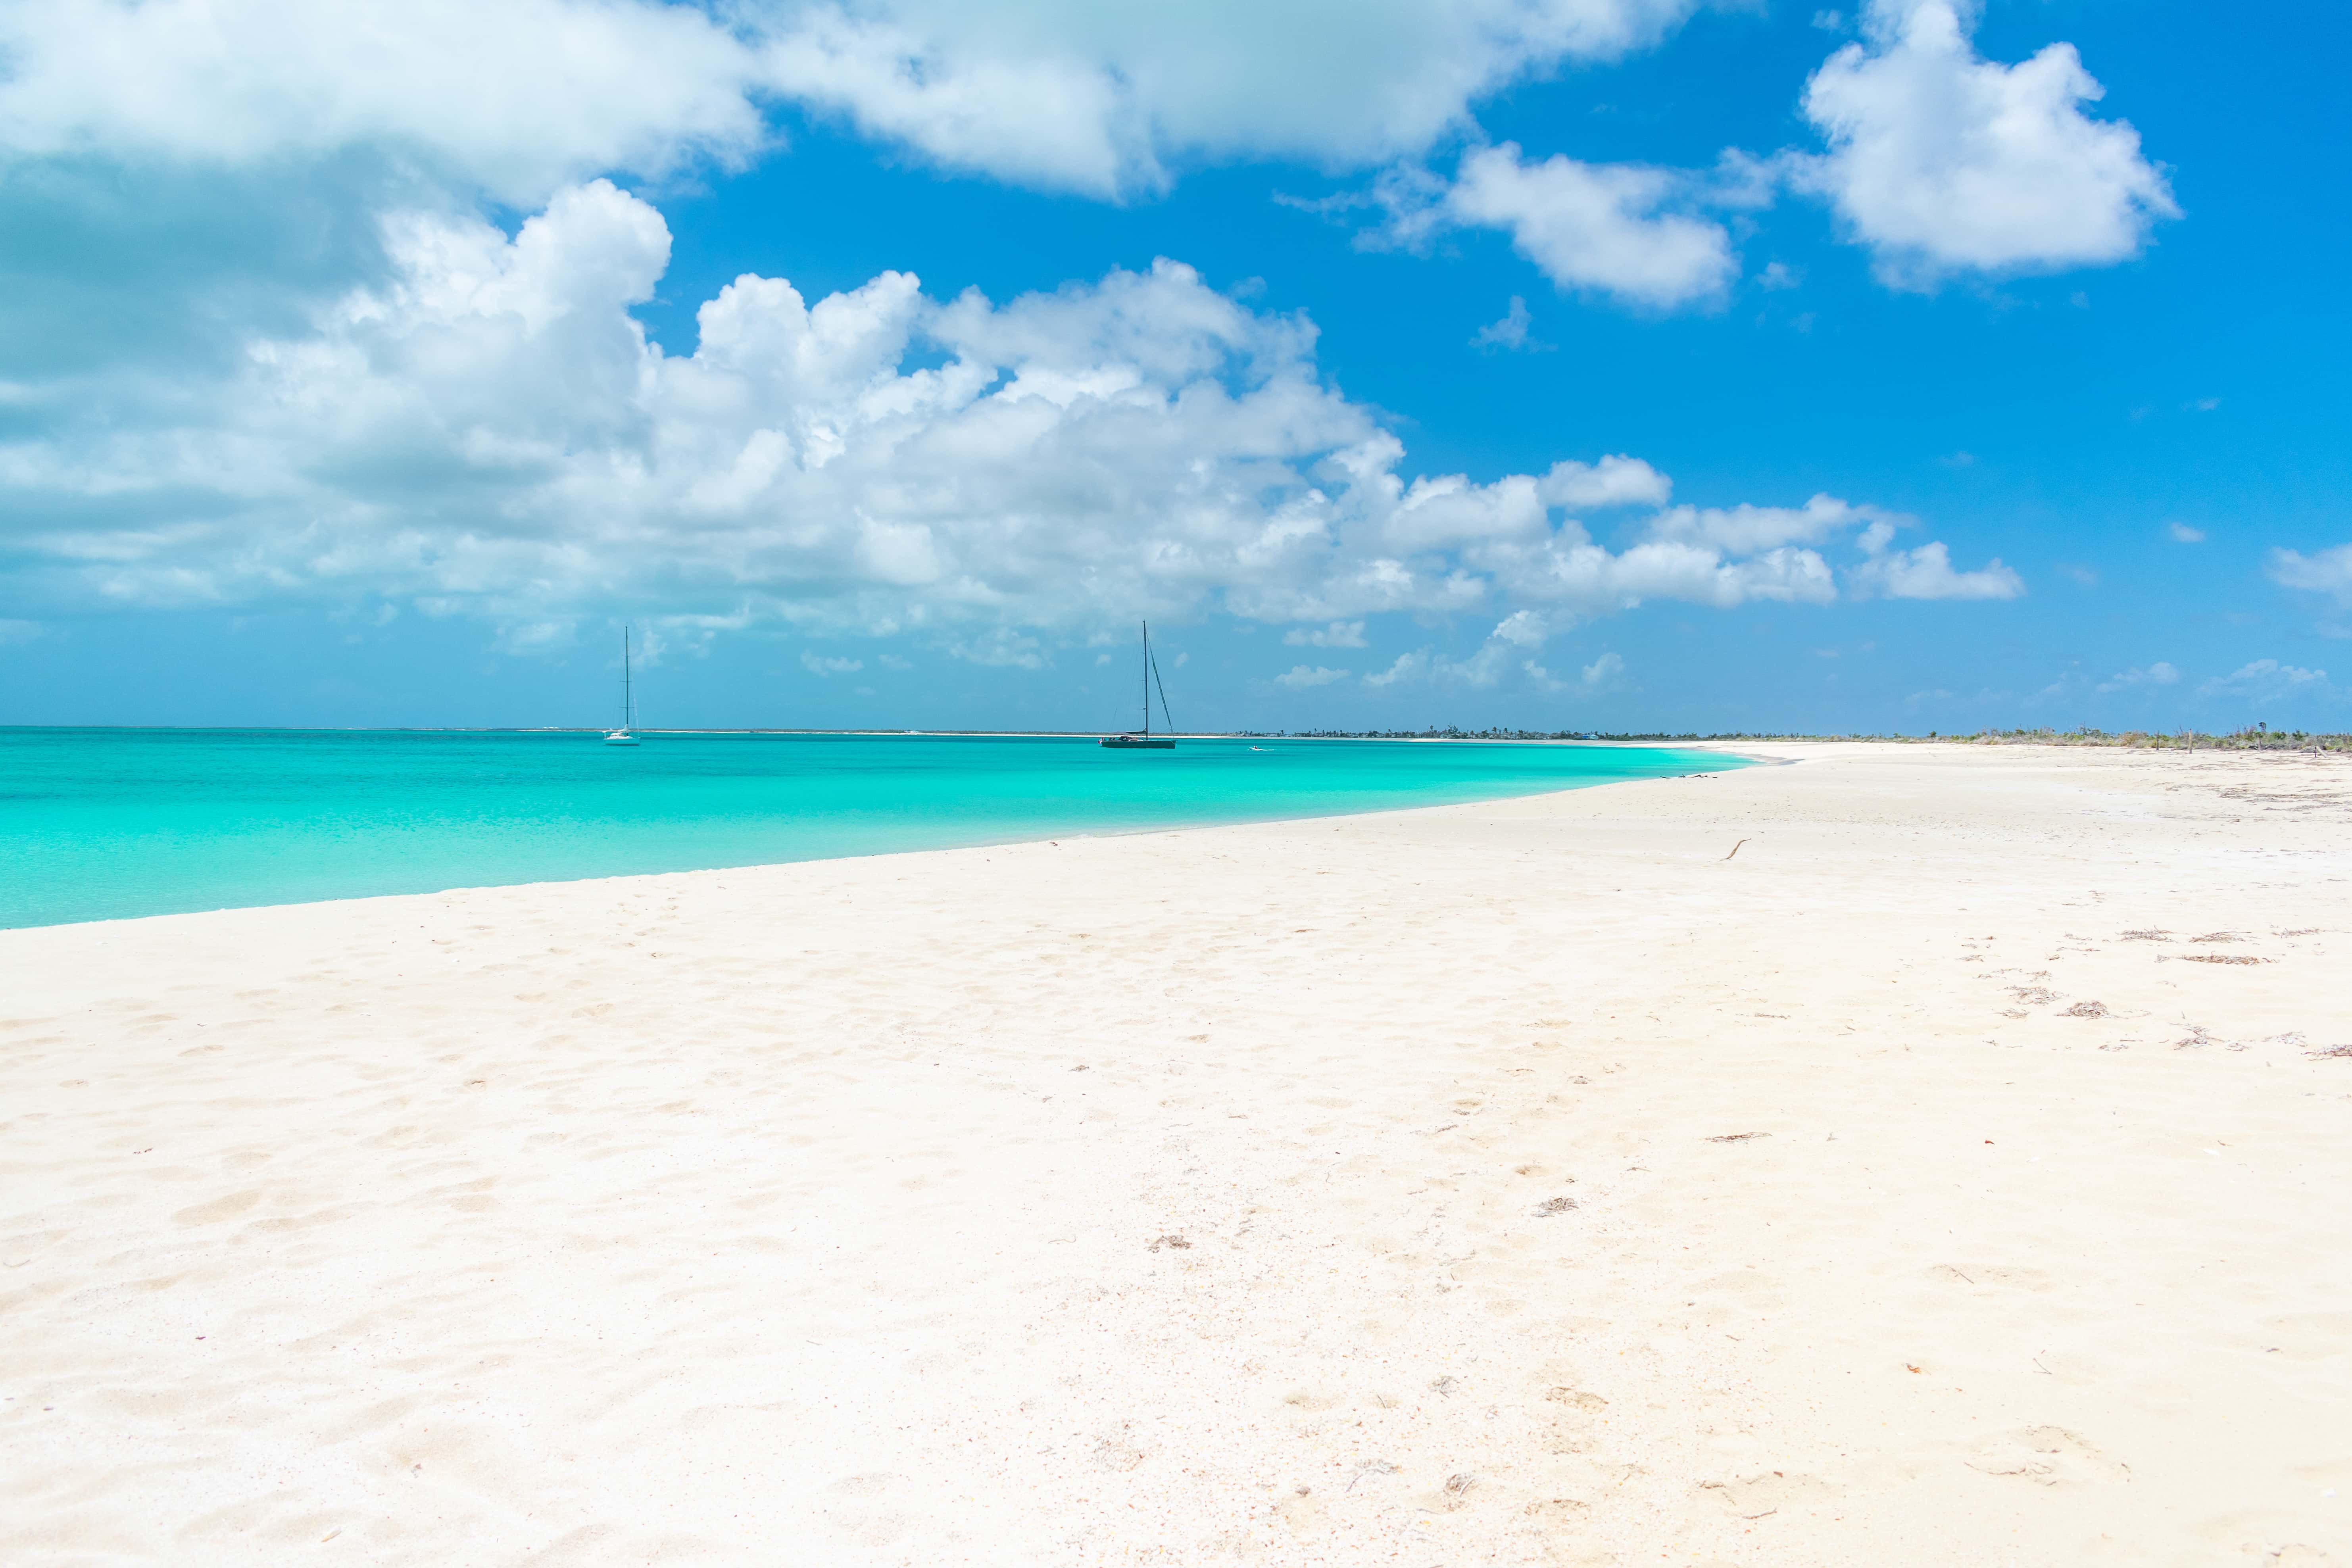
(620, 738)
(1138, 743)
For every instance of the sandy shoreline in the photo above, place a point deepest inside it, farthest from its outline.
(1511, 1183)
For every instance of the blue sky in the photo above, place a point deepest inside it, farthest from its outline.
(1558, 364)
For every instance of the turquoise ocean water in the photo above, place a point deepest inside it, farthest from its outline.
(108, 824)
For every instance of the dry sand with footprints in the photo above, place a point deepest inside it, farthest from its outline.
(1959, 1174)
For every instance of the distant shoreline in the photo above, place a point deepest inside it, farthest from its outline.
(2256, 738)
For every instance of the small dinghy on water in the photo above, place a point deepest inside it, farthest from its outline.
(1146, 741)
(626, 734)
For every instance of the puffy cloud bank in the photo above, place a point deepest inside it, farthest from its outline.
(1939, 160)
(1066, 94)
(490, 432)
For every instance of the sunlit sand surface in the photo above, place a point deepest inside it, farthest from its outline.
(1957, 1175)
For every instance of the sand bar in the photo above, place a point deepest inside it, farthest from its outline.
(1953, 1175)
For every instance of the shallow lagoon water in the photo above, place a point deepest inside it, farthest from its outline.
(111, 824)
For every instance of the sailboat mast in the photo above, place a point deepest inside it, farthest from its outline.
(628, 694)
(1147, 678)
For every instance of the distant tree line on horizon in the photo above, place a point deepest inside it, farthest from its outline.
(2253, 737)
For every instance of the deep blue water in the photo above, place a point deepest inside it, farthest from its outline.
(106, 824)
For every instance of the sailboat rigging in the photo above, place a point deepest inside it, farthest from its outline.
(1134, 741)
(626, 734)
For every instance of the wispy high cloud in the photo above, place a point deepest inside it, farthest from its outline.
(2328, 572)
(1338, 634)
(820, 664)
(2266, 679)
(1504, 655)
(2157, 674)
(1511, 333)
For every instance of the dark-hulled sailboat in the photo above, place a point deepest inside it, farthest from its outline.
(1145, 740)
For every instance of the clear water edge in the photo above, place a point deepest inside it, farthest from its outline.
(123, 824)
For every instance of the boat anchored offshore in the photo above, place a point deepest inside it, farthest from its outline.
(626, 734)
(1145, 740)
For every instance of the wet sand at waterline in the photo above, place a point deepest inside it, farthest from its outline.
(1957, 1175)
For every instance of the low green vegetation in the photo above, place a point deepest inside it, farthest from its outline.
(2254, 737)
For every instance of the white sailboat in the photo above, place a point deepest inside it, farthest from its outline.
(626, 734)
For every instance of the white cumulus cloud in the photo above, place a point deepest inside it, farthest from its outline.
(1942, 161)
(1927, 573)
(1618, 481)
(1611, 228)
(1299, 677)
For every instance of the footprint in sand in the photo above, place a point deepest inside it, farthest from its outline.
(1558, 1512)
(1767, 1492)
(853, 1506)
(1991, 1274)
(1116, 1453)
(2047, 1456)
(1299, 1510)
(219, 1209)
(1571, 1431)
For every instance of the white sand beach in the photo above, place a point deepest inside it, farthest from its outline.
(1955, 1175)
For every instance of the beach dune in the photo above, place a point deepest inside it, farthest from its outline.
(1955, 1174)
